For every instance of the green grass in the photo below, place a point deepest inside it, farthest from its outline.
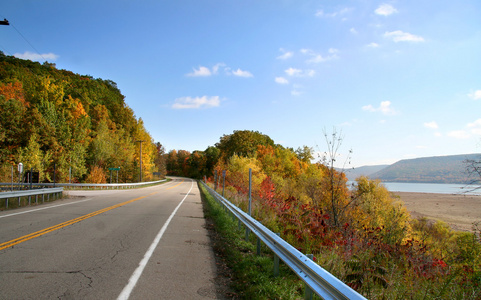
(252, 275)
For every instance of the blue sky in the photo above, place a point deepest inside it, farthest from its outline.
(399, 79)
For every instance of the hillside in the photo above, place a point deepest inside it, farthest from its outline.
(74, 124)
(354, 173)
(438, 169)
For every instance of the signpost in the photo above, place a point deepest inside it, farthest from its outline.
(114, 169)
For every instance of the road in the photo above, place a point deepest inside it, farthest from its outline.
(147, 243)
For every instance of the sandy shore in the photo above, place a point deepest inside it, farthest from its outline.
(459, 211)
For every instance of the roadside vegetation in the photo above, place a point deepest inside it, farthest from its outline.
(364, 235)
(252, 274)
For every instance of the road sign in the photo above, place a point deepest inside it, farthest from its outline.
(114, 169)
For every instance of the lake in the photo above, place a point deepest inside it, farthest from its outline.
(434, 188)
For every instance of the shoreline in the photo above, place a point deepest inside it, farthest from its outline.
(459, 211)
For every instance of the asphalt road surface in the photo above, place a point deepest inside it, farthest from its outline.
(147, 243)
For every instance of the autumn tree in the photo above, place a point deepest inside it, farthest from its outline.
(243, 143)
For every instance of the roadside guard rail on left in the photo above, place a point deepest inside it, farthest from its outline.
(56, 192)
(9, 185)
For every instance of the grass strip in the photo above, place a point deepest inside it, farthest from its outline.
(252, 276)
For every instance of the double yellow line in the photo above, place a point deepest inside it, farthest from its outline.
(64, 224)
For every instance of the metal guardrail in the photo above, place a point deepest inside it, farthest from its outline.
(87, 185)
(321, 282)
(30, 193)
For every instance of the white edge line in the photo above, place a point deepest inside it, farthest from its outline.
(42, 208)
(125, 294)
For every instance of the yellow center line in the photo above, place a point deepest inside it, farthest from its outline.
(65, 224)
(175, 185)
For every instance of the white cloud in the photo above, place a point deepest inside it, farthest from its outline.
(385, 10)
(206, 72)
(353, 30)
(36, 56)
(285, 55)
(317, 57)
(293, 72)
(475, 127)
(431, 125)
(242, 73)
(476, 123)
(200, 72)
(196, 103)
(476, 95)
(400, 36)
(322, 14)
(385, 108)
(300, 73)
(373, 45)
(215, 69)
(458, 134)
(281, 80)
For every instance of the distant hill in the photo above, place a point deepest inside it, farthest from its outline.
(352, 174)
(438, 169)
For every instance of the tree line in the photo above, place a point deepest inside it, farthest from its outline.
(74, 125)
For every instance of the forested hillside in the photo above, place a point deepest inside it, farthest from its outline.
(56, 119)
(438, 169)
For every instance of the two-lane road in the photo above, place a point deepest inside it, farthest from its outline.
(147, 243)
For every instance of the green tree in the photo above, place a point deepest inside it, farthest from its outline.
(243, 143)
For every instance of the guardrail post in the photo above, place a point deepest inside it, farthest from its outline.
(249, 211)
(276, 262)
(6, 203)
(258, 246)
(308, 292)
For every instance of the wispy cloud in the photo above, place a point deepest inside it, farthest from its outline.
(200, 72)
(285, 54)
(476, 95)
(475, 127)
(36, 56)
(300, 73)
(339, 13)
(203, 71)
(385, 10)
(372, 45)
(281, 80)
(242, 73)
(319, 58)
(196, 102)
(384, 108)
(431, 125)
(400, 36)
(458, 134)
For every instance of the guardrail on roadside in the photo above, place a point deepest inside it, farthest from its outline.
(29, 193)
(84, 185)
(321, 282)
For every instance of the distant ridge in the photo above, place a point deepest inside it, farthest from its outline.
(352, 174)
(437, 169)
